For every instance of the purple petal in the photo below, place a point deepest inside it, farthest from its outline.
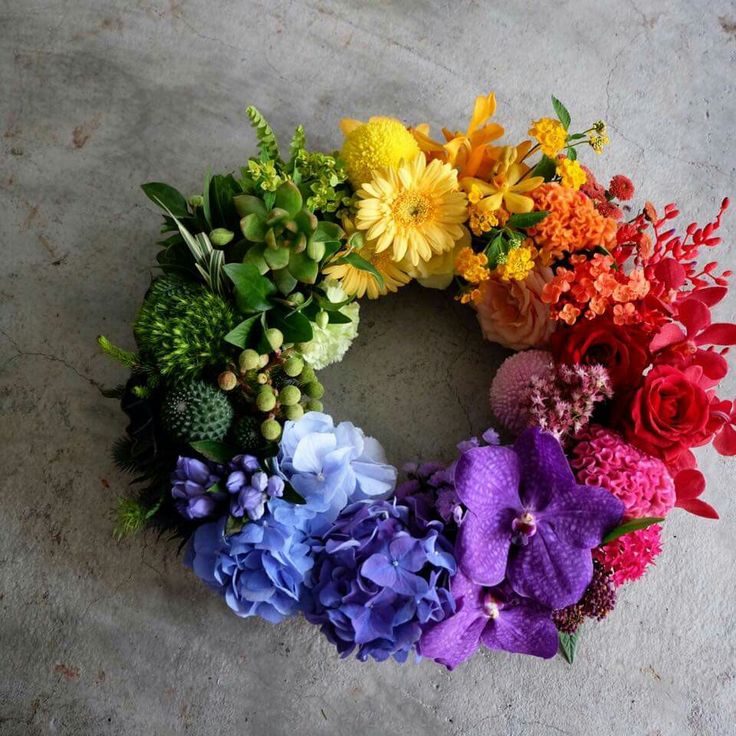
(525, 628)
(379, 569)
(455, 639)
(487, 480)
(407, 583)
(483, 546)
(550, 571)
(545, 470)
(408, 552)
(583, 515)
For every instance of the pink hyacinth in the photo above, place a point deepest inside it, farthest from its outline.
(629, 556)
(602, 458)
(511, 387)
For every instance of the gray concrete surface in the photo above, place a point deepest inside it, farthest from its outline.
(97, 96)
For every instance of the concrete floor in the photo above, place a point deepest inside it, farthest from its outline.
(97, 96)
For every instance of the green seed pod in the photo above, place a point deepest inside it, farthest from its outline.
(290, 395)
(308, 374)
(314, 405)
(314, 389)
(316, 250)
(274, 337)
(323, 319)
(262, 378)
(294, 366)
(227, 380)
(221, 236)
(271, 430)
(249, 360)
(265, 401)
(294, 412)
(297, 298)
(196, 200)
(263, 360)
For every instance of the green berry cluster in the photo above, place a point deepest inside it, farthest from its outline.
(274, 388)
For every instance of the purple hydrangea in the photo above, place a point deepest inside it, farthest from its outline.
(250, 487)
(430, 492)
(379, 577)
(497, 617)
(259, 570)
(195, 488)
(529, 521)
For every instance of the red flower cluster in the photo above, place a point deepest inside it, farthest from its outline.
(647, 308)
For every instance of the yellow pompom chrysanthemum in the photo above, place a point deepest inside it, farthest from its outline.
(416, 210)
(381, 142)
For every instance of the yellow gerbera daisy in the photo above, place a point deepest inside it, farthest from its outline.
(415, 209)
(356, 282)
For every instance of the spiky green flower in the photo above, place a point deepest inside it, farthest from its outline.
(195, 411)
(131, 517)
(181, 327)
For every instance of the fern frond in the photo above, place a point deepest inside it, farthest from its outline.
(267, 143)
(297, 145)
(127, 358)
(123, 455)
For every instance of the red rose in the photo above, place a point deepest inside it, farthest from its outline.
(621, 350)
(669, 413)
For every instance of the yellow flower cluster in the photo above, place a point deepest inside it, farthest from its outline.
(598, 136)
(571, 173)
(551, 135)
(473, 267)
(518, 264)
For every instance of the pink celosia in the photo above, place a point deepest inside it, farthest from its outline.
(511, 387)
(629, 556)
(602, 458)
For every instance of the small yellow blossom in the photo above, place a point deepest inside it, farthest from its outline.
(470, 296)
(481, 221)
(598, 136)
(551, 135)
(473, 267)
(571, 173)
(519, 263)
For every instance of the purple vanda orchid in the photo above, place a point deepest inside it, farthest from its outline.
(496, 617)
(529, 521)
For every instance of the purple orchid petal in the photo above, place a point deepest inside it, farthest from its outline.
(549, 570)
(455, 639)
(582, 515)
(545, 470)
(523, 628)
(487, 480)
(483, 546)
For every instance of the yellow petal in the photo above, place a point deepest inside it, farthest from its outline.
(527, 185)
(348, 125)
(517, 203)
(482, 110)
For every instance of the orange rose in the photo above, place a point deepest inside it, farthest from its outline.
(513, 314)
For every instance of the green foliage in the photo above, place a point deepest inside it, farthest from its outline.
(562, 113)
(217, 452)
(196, 411)
(297, 145)
(246, 434)
(526, 220)
(267, 143)
(631, 526)
(132, 516)
(181, 327)
(252, 290)
(547, 168)
(568, 645)
(167, 198)
(125, 357)
(357, 261)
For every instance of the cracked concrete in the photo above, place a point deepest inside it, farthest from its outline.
(100, 95)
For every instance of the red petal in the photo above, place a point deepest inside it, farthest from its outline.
(694, 314)
(721, 333)
(671, 273)
(699, 508)
(689, 484)
(669, 334)
(711, 295)
(714, 365)
(725, 441)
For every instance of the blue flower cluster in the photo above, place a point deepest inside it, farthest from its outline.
(378, 578)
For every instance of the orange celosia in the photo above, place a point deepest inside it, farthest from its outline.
(573, 222)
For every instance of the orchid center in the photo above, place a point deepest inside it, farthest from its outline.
(491, 607)
(524, 527)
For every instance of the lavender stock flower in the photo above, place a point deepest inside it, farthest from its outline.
(192, 484)
(529, 521)
(250, 487)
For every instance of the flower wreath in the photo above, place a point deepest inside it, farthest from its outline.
(511, 545)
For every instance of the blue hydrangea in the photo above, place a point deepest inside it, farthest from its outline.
(259, 570)
(379, 577)
(331, 466)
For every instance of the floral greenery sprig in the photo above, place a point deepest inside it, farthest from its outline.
(512, 546)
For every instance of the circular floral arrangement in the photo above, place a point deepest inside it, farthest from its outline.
(534, 526)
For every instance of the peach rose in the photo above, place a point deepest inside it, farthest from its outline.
(512, 313)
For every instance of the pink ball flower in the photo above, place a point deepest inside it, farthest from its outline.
(511, 387)
(629, 556)
(602, 458)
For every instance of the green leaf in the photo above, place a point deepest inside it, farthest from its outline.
(561, 112)
(247, 204)
(327, 231)
(546, 168)
(303, 268)
(572, 154)
(267, 143)
(284, 281)
(494, 249)
(525, 220)
(218, 487)
(222, 190)
(206, 199)
(289, 198)
(251, 289)
(217, 452)
(577, 136)
(338, 318)
(291, 495)
(254, 228)
(295, 326)
(568, 645)
(167, 197)
(233, 525)
(125, 357)
(353, 259)
(277, 258)
(238, 336)
(298, 142)
(631, 526)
